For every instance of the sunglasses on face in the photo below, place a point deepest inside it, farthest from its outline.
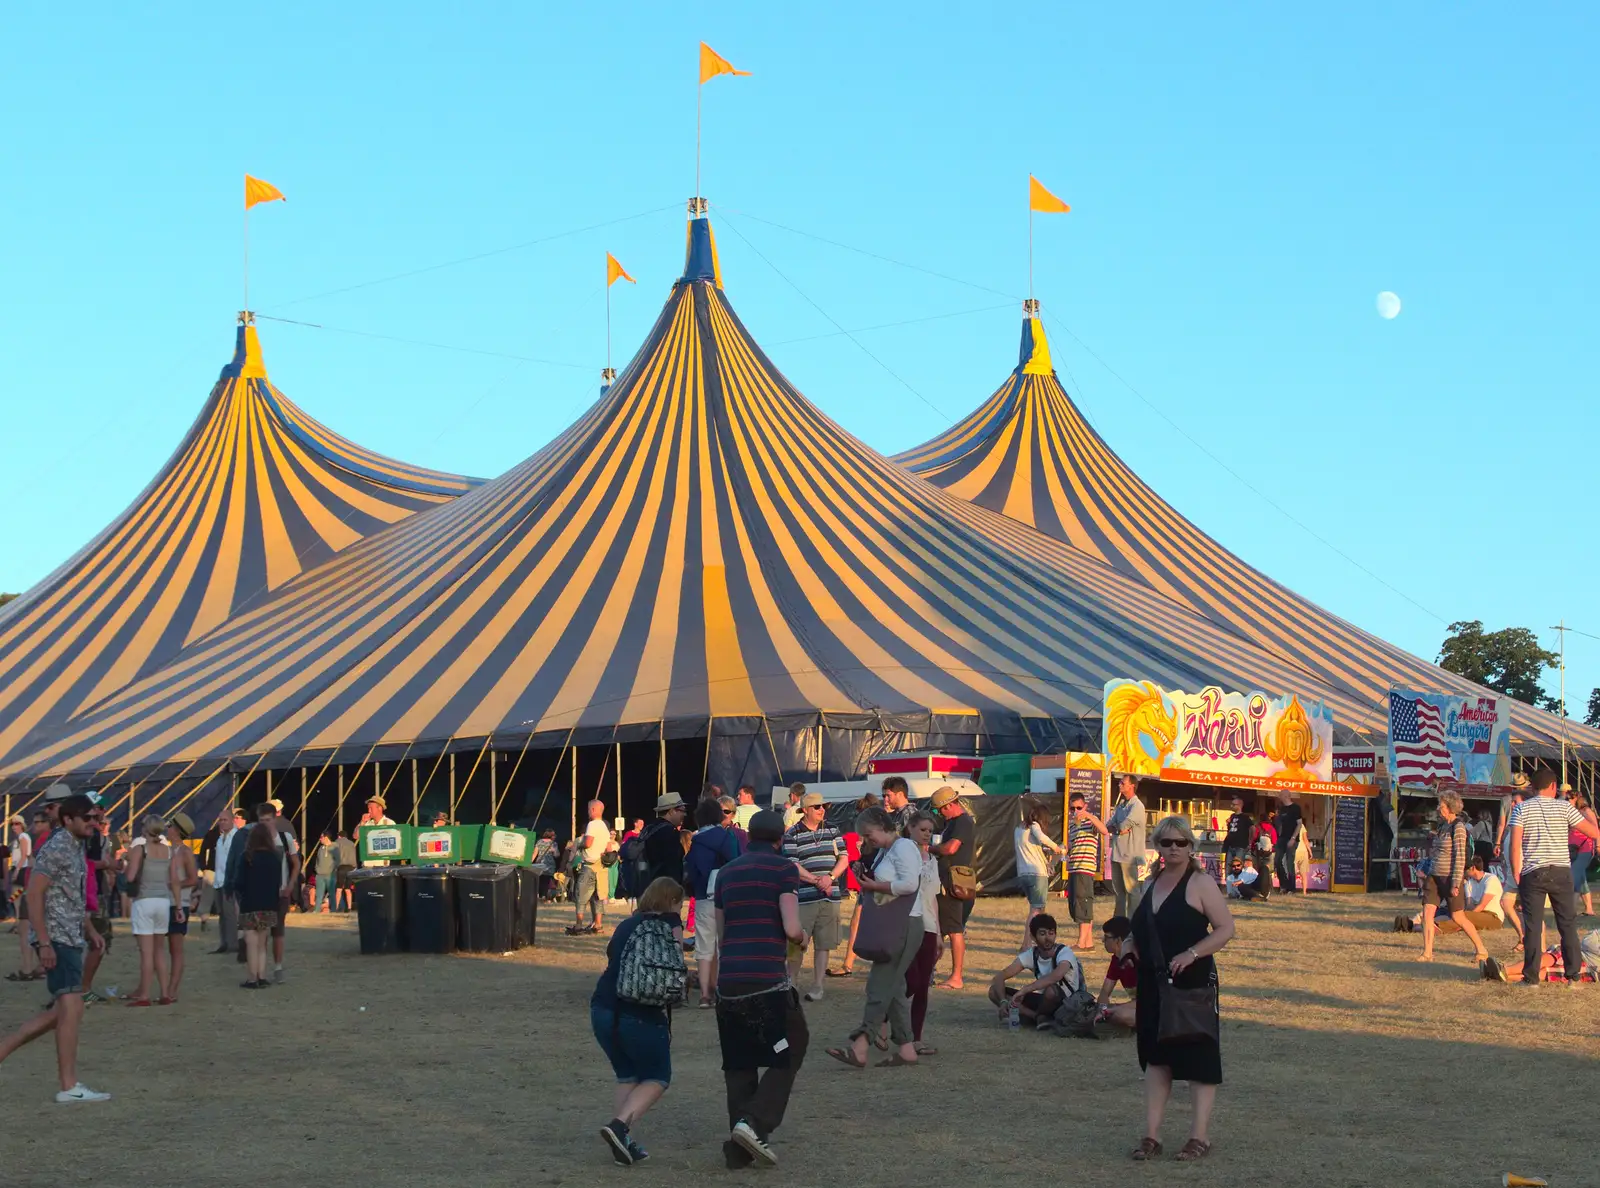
(1176, 843)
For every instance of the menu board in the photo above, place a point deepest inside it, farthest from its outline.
(1349, 843)
(1088, 783)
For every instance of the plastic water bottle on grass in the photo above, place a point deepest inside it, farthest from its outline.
(1014, 1018)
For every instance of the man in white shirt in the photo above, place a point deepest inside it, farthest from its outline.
(1242, 883)
(376, 814)
(593, 877)
(791, 809)
(230, 832)
(746, 808)
(1054, 972)
(1483, 893)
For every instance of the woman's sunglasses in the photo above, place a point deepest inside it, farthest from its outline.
(1176, 843)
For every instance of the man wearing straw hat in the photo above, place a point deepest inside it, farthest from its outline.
(375, 815)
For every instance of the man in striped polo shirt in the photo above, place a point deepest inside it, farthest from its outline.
(817, 848)
(760, 1024)
(1539, 828)
(1084, 834)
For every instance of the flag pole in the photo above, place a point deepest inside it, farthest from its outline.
(1030, 251)
(698, 92)
(608, 316)
(247, 258)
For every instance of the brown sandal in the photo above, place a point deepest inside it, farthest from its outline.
(1148, 1148)
(1194, 1149)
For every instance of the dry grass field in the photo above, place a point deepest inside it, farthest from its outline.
(1346, 1063)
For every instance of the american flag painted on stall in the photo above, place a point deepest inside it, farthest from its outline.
(1416, 736)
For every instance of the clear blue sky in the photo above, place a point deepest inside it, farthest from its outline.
(1244, 179)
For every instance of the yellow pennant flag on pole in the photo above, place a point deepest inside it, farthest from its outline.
(615, 271)
(1042, 200)
(713, 64)
(257, 191)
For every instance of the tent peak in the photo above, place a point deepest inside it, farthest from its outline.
(246, 362)
(700, 257)
(1034, 357)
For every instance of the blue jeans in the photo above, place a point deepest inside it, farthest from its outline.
(1580, 872)
(639, 1048)
(67, 975)
(324, 894)
(1036, 888)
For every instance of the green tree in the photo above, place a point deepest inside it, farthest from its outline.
(1592, 718)
(1509, 661)
(5, 598)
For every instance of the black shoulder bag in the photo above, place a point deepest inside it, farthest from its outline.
(1186, 1016)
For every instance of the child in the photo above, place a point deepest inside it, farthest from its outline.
(1055, 971)
(1117, 935)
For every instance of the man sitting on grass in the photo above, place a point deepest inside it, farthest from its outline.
(1054, 970)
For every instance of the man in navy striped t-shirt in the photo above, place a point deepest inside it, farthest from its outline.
(1539, 827)
(759, 1020)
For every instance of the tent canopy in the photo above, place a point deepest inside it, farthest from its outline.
(256, 493)
(1029, 454)
(702, 550)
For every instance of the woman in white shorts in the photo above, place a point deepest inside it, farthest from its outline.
(150, 874)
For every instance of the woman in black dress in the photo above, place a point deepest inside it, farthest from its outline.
(1182, 919)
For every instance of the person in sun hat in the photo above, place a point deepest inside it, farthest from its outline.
(661, 847)
(956, 847)
(376, 814)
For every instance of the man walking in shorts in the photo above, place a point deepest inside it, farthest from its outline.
(957, 846)
(817, 848)
(593, 845)
(760, 1023)
(56, 902)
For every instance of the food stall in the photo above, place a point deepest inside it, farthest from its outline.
(1196, 751)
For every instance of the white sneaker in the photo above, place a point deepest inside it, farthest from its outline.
(813, 995)
(277, 975)
(80, 1092)
(744, 1134)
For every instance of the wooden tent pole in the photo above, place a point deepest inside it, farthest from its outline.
(619, 781)
(414, 797)
(574, 830)
(452, 787)
(494, 791)
(339, 812)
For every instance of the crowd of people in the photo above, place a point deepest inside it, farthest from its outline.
(764, 887)
(70, 878)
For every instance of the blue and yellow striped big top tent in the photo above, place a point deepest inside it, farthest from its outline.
(256, 493)
(1029, 454)
(703, 553)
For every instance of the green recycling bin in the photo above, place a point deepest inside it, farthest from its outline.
(468, 840)
(386, 843)
(506, 846)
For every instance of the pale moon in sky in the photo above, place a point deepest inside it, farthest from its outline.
(1388, 305)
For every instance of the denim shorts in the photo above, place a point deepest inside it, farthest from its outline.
(639, 1049)
(1036, 888)
(67, 976)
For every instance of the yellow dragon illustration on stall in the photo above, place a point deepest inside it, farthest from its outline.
(1293, 743)
(1135, 712)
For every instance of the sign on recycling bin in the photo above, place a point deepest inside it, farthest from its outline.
(384, 843)
(436, 845)
(506, 845)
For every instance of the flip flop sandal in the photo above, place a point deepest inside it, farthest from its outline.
(847, 1056)
(839, 973)
(926, 1050)
(880, 1042)
(1148, 1148)
(166, 1002)
(1194, 1149)
(138, 1002)
(897, 1061)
